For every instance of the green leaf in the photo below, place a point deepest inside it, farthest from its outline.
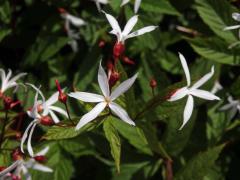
(114, 141)
(200, 165)
(4, 33)
(159, 6)
(217, 15)
(216, 50)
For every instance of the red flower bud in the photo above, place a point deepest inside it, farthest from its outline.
(62, 97)
(46, 121)
(17, 154)
(9, 103)
(153, 83)
(101, 44)
(40, 159)
(62, 10)
(114, 77)
(128, 61)
(118, 50)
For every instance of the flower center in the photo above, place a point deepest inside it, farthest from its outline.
(107, 100)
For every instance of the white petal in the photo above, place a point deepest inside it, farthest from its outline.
(185, 68)
(59, 110)
(231, 27)
(187, 111)
(121, 113)
(113, 22)
(53, 99)
(26, 174)
(54, 117)
(137, 5)
(123, 87)
(98, 6)
(204, 94)
(42, 168)
(29, 145)
(179, 94)
(91, 115)
(86, 97)
(43, 152)
(130, 24)
(141, 31)
(75, 20)
(233, 112)
(38, 91)
(9, 168)
(236, 16)
(3, 75)
(227, 106)
(18, 76)
(124, 2)
(204, 79)
(25, 134)
(103, 81)
(103, 1)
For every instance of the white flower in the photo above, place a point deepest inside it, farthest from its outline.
(98, 2)
(47, 108)
(125, 34)
(233, 106)
(236, 17)
(192, 91)
(21, 167)
(105, 100)
(7, 81)
(217, 87)
(72, 34)
(136, 5)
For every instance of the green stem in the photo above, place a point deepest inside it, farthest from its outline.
(66, 106)
(3, 128)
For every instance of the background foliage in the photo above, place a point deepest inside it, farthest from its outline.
(32, 39)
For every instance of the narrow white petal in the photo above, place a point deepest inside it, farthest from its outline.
(185, 68)
(76, 21)
(121, 113)
(137, 5)
(52, 99)
(233, 112)
(25, 172)
(203, 80)
(29, 145)
(231, 27)
(18, 76)
(124, 2)
(236, 16)
(59, 110)
(103, 81)
(25, 134)
(141, 31)
(179, 94)
(130, 24)
(54, 117)
(113, 22)
(9, 74)
(204, 94)
(41, 167)
(227, 106)
(91, 115)
(98, 6)
(3, 75)
(86, 97)
(123, 87)
(37, 90)
(43, 152)
(10, 168)
(187, 111)
(102, 1)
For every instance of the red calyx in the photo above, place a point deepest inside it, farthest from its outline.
(62, 97)
(118, 50)
(9, 103)
(101, 44)
(40, 159)
(17, 154)
(128, 61)
(153, 83)
(62, 10)
(46, 121)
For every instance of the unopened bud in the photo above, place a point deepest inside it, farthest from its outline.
(101, 44)
(9, 103)
(128, 61)
(40, 159)
(46, 121)
(17, 154)
(62, 10)
(118, 50)
(153, 83)
(62, 97)
(114, 77)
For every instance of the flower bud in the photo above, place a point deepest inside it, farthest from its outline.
(17, 154)
(62, 11)
(46, 121)
(118, 50)
(128, 61)
(9, 103)
(40, 159)
(114, 77)
(62, 97)
(101, 44)
(153, 83)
